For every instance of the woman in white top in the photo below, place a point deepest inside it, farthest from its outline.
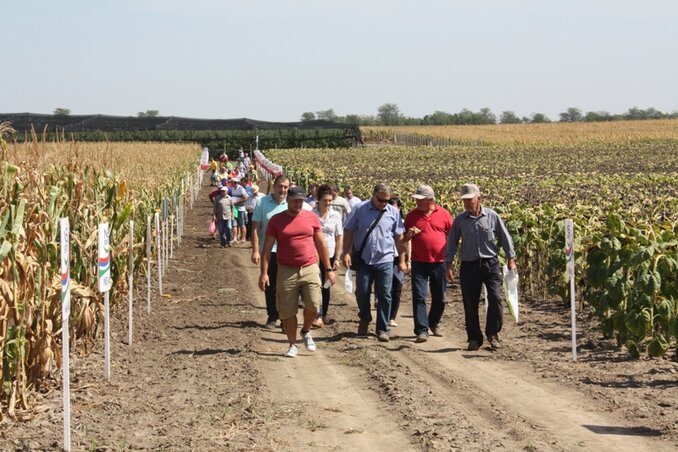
(333, 230)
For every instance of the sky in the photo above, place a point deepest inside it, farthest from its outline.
(275, 59)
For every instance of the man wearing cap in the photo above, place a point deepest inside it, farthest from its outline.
(300, 244)
(482, 232)
(374, 230)
(427, 227)
(268, 206)
(223, 212)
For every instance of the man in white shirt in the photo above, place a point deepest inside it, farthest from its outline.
(352, 200)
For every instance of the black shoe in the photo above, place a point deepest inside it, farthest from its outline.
(437, 330)
(494, 342)
(362, 327)
(382, 336)
(421, 337)
(473, 346)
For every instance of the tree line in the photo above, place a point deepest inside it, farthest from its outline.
(390, 115)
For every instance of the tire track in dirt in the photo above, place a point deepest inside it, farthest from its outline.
(541, 414)
(330, 405)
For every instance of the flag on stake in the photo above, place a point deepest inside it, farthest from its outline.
(65, 314)
(104, 267)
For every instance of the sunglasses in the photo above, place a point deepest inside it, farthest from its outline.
(382, 200)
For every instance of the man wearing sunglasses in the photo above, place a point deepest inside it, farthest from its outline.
(375, 230)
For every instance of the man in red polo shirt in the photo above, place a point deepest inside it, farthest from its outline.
(300, 243)
(427, 226)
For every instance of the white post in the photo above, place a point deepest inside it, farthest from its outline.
(165, 254)
(105, 284)
(171, 236)
(130, 277)
(569, 254)
(158, 251)
(148, 263)
(65, 314)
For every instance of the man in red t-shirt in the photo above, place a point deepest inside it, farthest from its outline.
(300, 244)
(427, 226)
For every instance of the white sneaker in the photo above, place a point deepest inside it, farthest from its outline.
(308, 342)
(392, 323)
(292, 352)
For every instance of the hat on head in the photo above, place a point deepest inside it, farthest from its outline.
(224, 188)
(255, 188)
(296, 193)
(424, 192)
(469, 191)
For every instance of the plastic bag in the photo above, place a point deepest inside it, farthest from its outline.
(348, 281)
(212, 228)
(511, 288)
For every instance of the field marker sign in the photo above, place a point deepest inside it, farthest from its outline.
(105, 283)
(65, 314)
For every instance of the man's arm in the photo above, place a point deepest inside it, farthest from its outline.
(263, 275)
(506, 243)
(255, 242)
(401, 246)
(348, 246)
(451, 248)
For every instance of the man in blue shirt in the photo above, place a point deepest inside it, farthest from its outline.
(481, 231)
(376, 258)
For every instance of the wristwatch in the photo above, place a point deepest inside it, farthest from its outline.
(329, 270)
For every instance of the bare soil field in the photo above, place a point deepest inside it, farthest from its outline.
(203, 375)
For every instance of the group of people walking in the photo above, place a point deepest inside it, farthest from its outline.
(299, 240)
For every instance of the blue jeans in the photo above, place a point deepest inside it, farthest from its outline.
(433, 275)
(382, 277)
(224, 232)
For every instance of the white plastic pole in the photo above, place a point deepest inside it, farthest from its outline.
(569, 254)
(165, 253)
(171, 236)
(130, 277)
(105, 284)
(107, 337)
(65, 314)
(158, 251)
(148, 263)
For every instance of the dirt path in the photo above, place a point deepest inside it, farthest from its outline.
(203, 375)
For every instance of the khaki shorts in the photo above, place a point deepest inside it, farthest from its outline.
(292, 281)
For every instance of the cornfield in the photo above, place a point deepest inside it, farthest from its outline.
(89, 183)
(551, 134)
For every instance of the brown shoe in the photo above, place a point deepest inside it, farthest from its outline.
(382, 336)
(494, 342)
(421, 337)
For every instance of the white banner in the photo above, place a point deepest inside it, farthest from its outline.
(205, 159)
(104, 267)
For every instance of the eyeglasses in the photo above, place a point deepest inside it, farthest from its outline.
(382, 200)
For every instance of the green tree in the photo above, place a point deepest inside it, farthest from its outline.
(571, 115)
(592, 116)
(308, 116)
(327, 115)
(509, 117)
(389, 115)
(148, 114)
(59, 111)
(539, 118)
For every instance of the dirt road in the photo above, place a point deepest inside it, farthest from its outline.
(203, 375)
